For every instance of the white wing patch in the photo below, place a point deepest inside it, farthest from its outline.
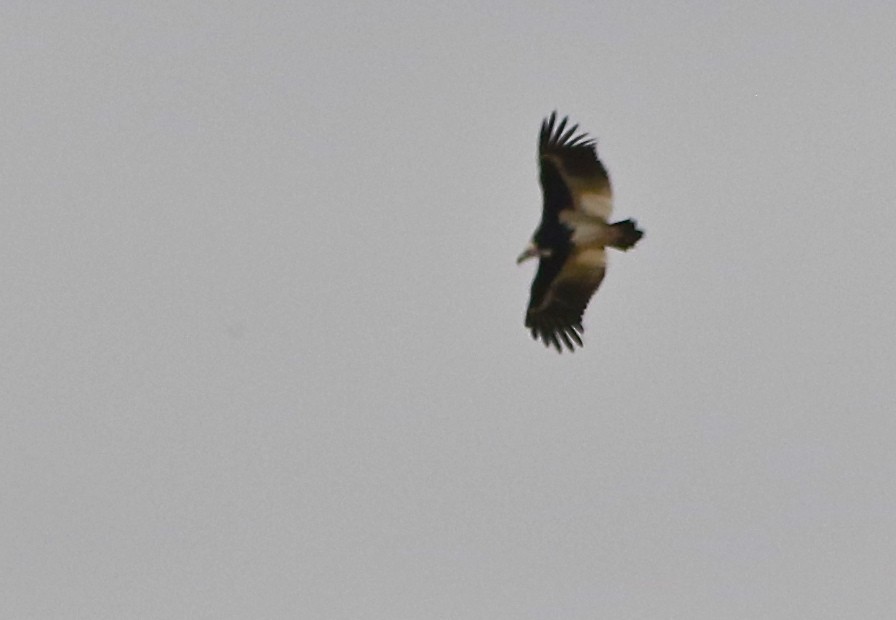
(597, 205)
(585, 228)
(592, 258)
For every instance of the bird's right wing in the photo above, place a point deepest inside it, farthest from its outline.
(572, 176)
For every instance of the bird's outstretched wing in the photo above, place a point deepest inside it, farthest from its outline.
(561, 291)
(572, 176)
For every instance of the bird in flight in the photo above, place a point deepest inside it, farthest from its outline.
(571, 239)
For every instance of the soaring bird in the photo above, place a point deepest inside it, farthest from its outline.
(571, 238)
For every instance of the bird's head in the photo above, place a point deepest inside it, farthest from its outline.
(532, 251)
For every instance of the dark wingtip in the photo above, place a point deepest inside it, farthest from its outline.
(575, 336)
(567, 341)
(559, 135)
(547, 127)
(559, 130)
(561, 338)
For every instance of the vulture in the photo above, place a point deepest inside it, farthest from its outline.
(571, 239)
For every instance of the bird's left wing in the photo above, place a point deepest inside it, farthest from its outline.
(560, 294)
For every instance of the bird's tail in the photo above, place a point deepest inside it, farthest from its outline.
(625, 234)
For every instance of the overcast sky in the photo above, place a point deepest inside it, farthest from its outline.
(261, 330)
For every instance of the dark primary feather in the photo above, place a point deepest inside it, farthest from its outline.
(576, 154)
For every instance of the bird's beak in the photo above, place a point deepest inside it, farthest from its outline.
(530, 252)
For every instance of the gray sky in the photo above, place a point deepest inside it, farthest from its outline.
(261, 330)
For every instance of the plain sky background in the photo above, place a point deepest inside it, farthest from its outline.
(261, 334)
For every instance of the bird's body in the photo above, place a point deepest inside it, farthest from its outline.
(574, 231)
